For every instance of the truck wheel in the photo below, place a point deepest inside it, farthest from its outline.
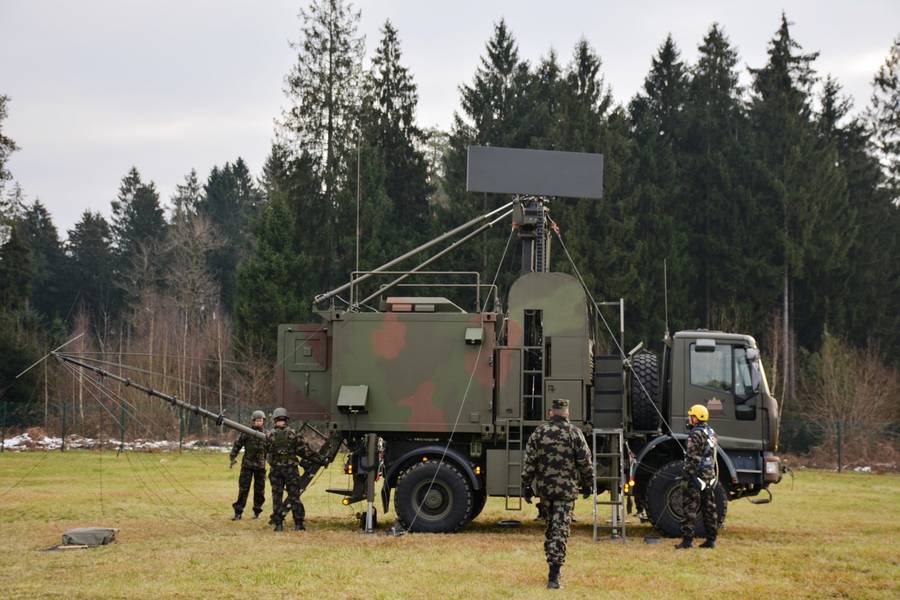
(439, 493)
(664, 501)
(478, 502)
(644, 408)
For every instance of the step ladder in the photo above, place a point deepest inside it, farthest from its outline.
(608, 450)
(514, 456)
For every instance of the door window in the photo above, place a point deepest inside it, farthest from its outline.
(743, 383)
(712, 368)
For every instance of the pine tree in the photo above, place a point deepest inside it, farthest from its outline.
(884, 115)
(321, 124)
(656, 193)
(16, 272)
(91, 260)
(494, 113)
(389, 127)
(716, 209)
(139, 228)
(7, 145)
(187, 197)
(795, 182)
(281, 267)
(48, 296)
(230, 202)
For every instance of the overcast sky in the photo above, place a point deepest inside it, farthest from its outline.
(98, 86)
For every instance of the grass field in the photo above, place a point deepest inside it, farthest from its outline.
(828, 535)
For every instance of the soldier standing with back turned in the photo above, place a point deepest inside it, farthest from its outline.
(253, 468)
(284, 446)
(700, 476)
(557, 465)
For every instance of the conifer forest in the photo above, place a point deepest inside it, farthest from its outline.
(774, 205)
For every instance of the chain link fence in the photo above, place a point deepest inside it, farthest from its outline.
(841, 445)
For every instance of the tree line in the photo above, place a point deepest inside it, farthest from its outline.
(774, 207)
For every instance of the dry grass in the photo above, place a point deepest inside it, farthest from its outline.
(828, 536)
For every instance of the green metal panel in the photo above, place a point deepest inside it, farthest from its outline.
(302, 380)
(509, 383)
(496, 470)
(571, 390)
(417, 367)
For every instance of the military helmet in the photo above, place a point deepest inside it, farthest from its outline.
(280, 414)
(257, 414)
(699, 411)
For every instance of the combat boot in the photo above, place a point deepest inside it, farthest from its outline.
(553, 578)
(279, 526)
(685, 543)
(256, 514)
(237, 516)
(298, 526)
(709, 543)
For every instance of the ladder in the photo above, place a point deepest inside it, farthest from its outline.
(608, 450)
(514, 448)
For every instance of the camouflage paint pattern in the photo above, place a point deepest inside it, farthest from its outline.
(417, 367)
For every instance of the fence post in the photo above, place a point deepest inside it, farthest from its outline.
(65, 412)
(180, 429)
(122, 428)
(3, 435)
(840, 446)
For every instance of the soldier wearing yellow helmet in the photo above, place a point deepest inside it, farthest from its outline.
(701, 477)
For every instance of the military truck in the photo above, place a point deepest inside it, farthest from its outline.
(437, 400)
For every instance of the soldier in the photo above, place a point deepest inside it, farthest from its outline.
(698, 490)
(253, 468)
(557, 464)
(284, 447)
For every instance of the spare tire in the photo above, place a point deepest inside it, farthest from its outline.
(645, 392)
(664, 501)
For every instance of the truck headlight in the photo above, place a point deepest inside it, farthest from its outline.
(773, 469)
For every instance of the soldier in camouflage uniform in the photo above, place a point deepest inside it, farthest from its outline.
(698, 491)
(285, 448)
(253, 468)
(557, 465)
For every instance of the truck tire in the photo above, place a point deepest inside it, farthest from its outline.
(433, 498)
(644, 407)
(664, 501)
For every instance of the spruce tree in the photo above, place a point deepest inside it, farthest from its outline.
(230, 201)
(716, 209)
(187, 197)
(656, 192)
(494, 113)
(91, 258)
(389, 128)
(7, 145)
(321, 123)
(16, 272)
(884, 115)
(48, 295)
(795, 182)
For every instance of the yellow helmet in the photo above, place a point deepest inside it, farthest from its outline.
(699, 411)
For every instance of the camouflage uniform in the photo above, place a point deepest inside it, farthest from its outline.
(284, 445)
(253, 469)
(699, 463)
(557, 465)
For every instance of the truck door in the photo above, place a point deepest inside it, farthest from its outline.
(718, 378)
